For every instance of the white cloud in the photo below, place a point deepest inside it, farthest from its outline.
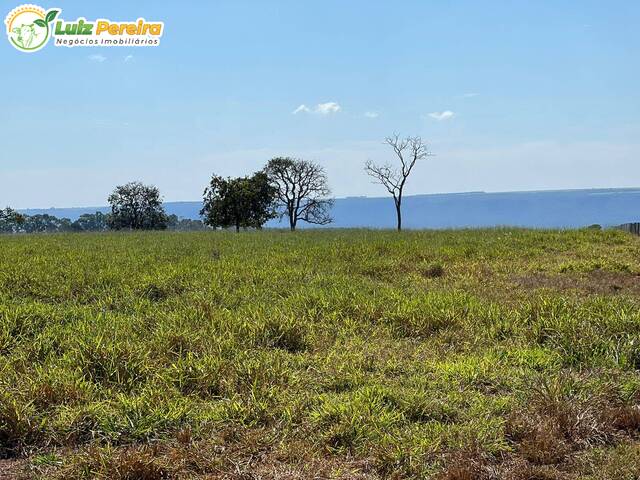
(371, 114)
(469, 95)
(301, 108)
(440, 116)
(327, 108)
(321, 109)
(128, 58)
(97, 58)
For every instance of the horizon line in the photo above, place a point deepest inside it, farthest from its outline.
(471, 192)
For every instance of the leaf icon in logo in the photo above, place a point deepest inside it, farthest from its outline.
(30, 27)
(51, 15)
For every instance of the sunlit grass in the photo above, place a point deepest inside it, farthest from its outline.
(371, 353)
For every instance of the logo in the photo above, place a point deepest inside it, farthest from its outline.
(29, 28)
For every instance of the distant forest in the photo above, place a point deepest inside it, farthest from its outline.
(12, 222)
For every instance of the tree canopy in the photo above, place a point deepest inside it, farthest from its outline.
(136, 206)
(10, 220)
(93, 222)
(243, 202)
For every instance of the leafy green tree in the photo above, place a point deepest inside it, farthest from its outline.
(9, 214)
(184, 224)
(10, 220)
(44, 223)
(302, 190)
(135, 206)
(92, 222)
(246, 202)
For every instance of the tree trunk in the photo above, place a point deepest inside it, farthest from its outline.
(237, 228)
(292, 222)
(399, 214)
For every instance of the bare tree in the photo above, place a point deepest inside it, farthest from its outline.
(302, 190)
(408, 150)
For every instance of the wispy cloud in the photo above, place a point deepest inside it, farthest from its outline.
(97, 58)
(327, 108)
(440, 116)
(321, 108)
(301, 109)
(371, 114)
(469, 95)
(128, 58)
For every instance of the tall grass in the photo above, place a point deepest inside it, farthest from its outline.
(364, 353)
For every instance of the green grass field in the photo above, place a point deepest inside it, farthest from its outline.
(458, 355)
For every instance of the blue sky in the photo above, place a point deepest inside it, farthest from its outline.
(511, 95)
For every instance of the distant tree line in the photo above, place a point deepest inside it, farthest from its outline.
(88, 222)
(41, 223)
(293, 189)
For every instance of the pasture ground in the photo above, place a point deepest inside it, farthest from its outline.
(453, 355)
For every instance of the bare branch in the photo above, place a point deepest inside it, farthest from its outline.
(409, 151)
(303, 190)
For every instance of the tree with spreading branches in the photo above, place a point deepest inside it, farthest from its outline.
(409, 151)
(136, 206)
(302, 190)
(245, 202)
